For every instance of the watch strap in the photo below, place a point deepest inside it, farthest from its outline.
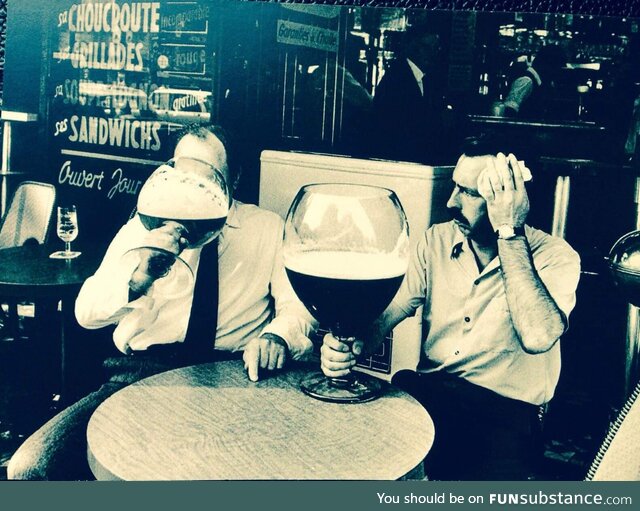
(517, 231)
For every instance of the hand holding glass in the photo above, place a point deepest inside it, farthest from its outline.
(189, 200)
(67, 230)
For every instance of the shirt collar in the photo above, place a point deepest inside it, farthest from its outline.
(458, 243)
(232, 222)
(417, 72)
(461, 244)
(233, 219)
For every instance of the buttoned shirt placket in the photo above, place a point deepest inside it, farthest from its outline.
(464, 258)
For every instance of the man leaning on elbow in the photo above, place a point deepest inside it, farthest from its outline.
(497, 294)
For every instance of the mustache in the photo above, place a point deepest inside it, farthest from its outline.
(456, 214)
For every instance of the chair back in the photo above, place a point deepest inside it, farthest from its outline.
(619, 456)
(29, 214)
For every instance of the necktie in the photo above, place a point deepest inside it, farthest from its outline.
(203, 320)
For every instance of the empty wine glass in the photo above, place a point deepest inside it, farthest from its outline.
(67, 230)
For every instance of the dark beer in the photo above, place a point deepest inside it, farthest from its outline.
(345, 291)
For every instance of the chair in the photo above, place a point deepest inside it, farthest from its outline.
(619, 456)
(26, 221)
(29, 214)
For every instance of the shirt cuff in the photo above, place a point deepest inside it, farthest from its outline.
(300, 346)
(407, 308)
(513, 105)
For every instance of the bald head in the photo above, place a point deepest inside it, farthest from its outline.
(208, 144)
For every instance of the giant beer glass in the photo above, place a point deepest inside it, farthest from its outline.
(346, 250)
(191, 193)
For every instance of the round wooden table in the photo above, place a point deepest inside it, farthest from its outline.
(210, 422)
(28, 272)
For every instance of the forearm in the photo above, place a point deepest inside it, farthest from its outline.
(536, 318)
(382, 326)
(294, 329)
(520, 90)
(106, 297)
(99, 305)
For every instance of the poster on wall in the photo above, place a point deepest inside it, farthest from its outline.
(124, 77)
(385, 92)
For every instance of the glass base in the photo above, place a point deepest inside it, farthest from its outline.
(358, 388)
(61, 254)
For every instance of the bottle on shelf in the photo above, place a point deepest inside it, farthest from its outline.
(483, 85)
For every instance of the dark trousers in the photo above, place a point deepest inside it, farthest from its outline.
(58, 450)
(479, 435)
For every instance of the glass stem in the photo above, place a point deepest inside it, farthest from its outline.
(67, 246)
(349, 379)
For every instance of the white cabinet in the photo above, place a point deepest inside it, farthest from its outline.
(423, 191)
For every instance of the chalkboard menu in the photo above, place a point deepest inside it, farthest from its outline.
(123, 78)
(120, 78)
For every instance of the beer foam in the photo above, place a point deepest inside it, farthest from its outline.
(346, 265)
(169, 193)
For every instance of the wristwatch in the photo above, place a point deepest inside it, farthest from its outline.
(507, 232)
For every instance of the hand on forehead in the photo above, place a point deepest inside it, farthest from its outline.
(500, 162)
(502, 173)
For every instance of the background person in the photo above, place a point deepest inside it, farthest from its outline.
(533, 86)
(408, 106)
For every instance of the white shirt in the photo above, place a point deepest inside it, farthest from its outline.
(470, 333)
(418, 74)
(255, 296)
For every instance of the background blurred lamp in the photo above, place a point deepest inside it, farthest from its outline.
(624, 262)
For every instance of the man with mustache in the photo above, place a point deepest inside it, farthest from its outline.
(496, 294)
